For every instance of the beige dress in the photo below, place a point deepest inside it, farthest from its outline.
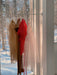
(13, 41)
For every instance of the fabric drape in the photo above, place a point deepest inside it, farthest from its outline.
(31, 52)
(13, 41)
(28, 46)
(22, 32)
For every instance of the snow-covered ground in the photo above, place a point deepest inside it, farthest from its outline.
(6, 67)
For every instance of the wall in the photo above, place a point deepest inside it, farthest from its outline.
(55, 49)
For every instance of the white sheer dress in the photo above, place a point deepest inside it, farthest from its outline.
(31, 54)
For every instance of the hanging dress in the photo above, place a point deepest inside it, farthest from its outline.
(22, 32)
(31, 52)
(13, 41)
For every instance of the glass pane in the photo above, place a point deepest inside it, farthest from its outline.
(14, 9)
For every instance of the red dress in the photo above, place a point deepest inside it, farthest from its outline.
(22, 32)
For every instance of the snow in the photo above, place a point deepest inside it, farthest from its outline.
(6, 67)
